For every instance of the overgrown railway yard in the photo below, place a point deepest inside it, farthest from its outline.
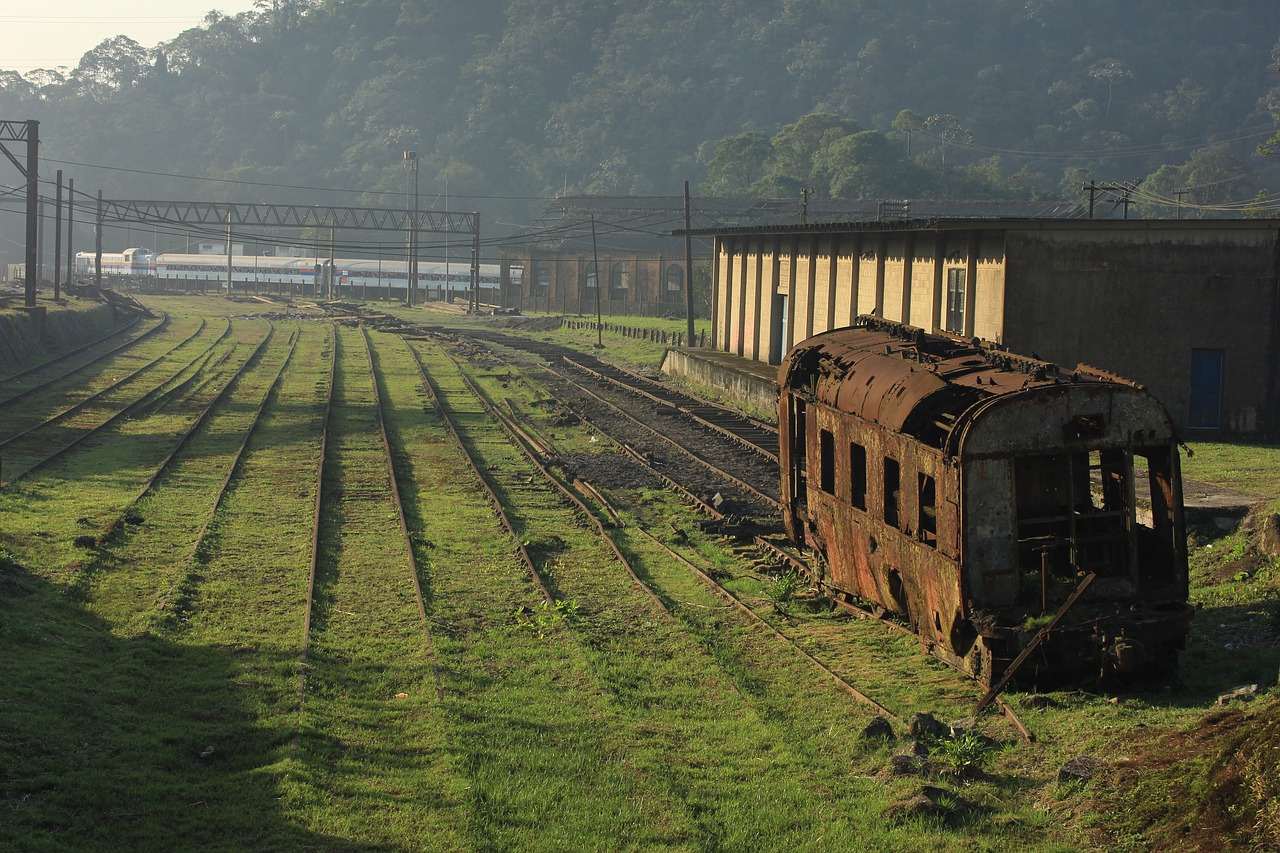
(303, 576)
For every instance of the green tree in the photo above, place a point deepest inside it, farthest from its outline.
(737, 162)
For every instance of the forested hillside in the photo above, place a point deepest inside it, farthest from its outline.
(513, 101)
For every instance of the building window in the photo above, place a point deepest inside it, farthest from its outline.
(858, 475)
(1204, 403)
(620, 279)
(542, 275)
(892, 491)
(955, 300)
(589, 275)
(675, 278)
(827, 461)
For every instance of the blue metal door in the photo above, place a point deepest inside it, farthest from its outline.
(1205, 400)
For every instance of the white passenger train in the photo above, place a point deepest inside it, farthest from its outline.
(349, 275)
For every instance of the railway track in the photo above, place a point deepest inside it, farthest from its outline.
(677, 477)
(677, 445)
(35, 443)
(755, 435)
(368, 683)
(535, 451)
(638, 624)
(28, 381)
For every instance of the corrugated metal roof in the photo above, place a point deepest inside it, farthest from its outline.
(908, 381)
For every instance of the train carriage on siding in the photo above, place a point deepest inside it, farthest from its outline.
(971, 492)
(133, 263)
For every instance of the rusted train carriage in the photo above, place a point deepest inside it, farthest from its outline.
(972, 492)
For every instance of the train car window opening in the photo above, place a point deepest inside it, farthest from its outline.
(799, 449)
(858, 475)
(892, 492)
(827, 461)
(927, 526)
(1157, 542)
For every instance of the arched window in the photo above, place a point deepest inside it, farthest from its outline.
(675, 283)
(542, 276)
(619, 281)
(589, 274)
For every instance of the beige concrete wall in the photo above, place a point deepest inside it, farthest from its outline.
(802, 295)
(922, 285)
(752, 302)
(725, 296)
(823, 286)
(846, 308)
(867, 280)
(988, 314)
(768, 291)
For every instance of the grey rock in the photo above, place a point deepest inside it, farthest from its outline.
(1082, 768)
(878, 729)
(1241, 694)
(925, 724)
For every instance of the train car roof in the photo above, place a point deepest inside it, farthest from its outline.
(913, 382)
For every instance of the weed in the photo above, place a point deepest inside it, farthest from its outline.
(782, 589)
(1273, 617)
(544, 618)
(964, 755)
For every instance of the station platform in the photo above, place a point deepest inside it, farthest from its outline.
(754, 384)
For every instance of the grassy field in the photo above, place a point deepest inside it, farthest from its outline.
(154, 596)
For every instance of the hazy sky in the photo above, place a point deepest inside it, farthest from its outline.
(53, 33)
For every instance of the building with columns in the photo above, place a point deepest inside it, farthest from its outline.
(1190, 309)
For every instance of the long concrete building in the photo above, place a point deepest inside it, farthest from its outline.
(1190, 309)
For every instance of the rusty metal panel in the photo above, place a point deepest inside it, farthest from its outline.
(990, 548)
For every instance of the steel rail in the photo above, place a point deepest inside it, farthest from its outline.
(202, 418)
(137, 318)
(742, 607)
(232, 469)
(315, 536)
(134, 406)
(114, 385)
(709, 414)
(400, 516)
(519, 438)
(515, 435)
(433, 391)
(854, 610)
(632, 385)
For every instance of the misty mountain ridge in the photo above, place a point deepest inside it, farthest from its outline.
(511, 102)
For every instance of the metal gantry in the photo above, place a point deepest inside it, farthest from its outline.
(263, 215)
(28, 132)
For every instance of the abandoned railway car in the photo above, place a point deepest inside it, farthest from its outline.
(975, 493)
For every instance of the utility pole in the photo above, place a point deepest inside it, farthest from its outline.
(595, 259)
(411, 162)
(57, 241)
(688, 268)
(229, 284)
(475, 262)
(97, 247)
(804, 205)
(71, 212)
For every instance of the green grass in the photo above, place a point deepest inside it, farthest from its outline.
(1248, 467)
(622, 722)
